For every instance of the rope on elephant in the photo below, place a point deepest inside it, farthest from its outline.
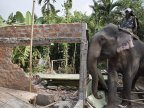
(133, 92)
(134, 101)
(129, 32)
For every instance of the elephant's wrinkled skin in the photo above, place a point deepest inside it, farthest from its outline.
(127, 62)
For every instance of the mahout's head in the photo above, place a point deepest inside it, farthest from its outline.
(128, 12)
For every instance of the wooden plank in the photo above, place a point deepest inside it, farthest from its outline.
(63, 76)
(83, 64)
(59, 76)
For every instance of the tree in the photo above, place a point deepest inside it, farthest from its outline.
(11, 19)
(103, 11)
(48, 10)
(67, 7)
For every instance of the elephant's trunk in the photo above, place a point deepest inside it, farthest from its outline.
(93, 54)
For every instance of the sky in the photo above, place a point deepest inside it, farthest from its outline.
(9, 6)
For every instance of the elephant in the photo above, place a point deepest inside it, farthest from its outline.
(129, 62)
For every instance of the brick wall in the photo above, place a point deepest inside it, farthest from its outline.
(42, 31)
(11, 75)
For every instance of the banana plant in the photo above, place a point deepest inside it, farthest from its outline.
(20, 56)
(19, 17)
(2, 21)
(11, 19)
(28, 18)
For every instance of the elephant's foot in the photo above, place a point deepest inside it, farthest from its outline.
(115, 106)
(125, 104)
(97, 96)
(122, 106)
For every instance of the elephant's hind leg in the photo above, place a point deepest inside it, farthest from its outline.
(128, 77)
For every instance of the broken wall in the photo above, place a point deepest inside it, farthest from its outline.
(11, 75)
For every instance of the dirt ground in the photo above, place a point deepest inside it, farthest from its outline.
(58, 94)
(70, 94)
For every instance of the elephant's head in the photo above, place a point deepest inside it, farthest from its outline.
(106, 43)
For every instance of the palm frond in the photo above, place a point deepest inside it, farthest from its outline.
(43, 9)
(52, 8)
(54, 1)
(39, 2)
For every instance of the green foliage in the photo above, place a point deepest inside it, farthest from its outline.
(40, 69)
(65, 54)
(47, 6)
(28, 18)
(79, 17)
(11, 19)
(104, 12)
(40, 20)
(67, 7)
(48, 10)
(19, 17)
(20, 56)
(1, 21)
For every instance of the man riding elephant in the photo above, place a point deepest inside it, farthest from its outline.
(130, 25)
(130, 22)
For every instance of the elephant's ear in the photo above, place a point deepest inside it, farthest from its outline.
(125, 41)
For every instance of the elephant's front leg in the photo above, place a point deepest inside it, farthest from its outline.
(112, 86)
